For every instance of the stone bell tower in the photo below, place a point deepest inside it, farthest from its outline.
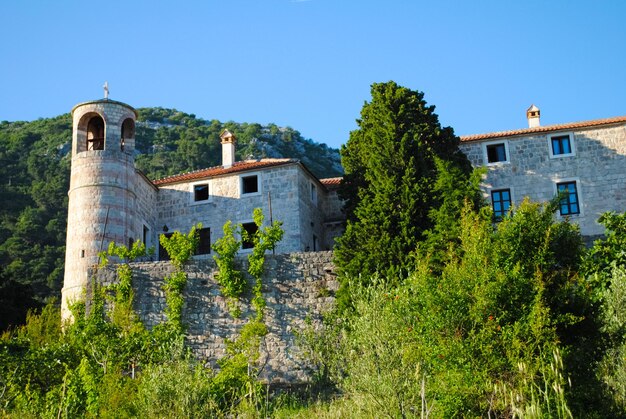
(101, 195)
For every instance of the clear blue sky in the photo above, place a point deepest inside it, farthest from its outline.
(309, 64)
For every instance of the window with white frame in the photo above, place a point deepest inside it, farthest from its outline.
(561, 145)
(569, 203)
(200, 192)
(250, 184)
(496, 152)
(501, 203)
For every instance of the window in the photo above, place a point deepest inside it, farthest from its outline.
(313, 194)
(201, 192)
(315, 243)
(501, 202)
(146, 231)
(204, 246)
(247, 241)
(569, 203)
(249, 184)
(163, 255)
(561, 145)
(496, 153)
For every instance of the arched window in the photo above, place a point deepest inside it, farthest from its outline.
(95, 133)
(128, 131)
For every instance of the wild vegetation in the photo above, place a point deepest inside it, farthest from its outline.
(443, 312)
(106, 363)
(34, 174)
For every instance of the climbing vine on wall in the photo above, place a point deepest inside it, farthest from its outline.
(243, 353)
(264, 239)
(122, 313)
(230, 279)
(180, 247)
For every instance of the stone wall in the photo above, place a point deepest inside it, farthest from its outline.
(598, 166)
(178, 211)
(296, 286)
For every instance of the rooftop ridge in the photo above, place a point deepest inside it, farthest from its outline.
(546, 128)
(239, 166)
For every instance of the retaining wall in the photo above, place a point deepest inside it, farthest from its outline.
(297, 287)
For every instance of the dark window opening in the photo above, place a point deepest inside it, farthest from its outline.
(247, 241)
(163, 255)
(95, 134)
(131, 241)
(313, 193)
(569, 198)
(561, 145)
(496, 153)
(145, 235)
(128, 131)
(250, 184)
(501, 202)
(204, 246)
(314, 243)
(201, 192)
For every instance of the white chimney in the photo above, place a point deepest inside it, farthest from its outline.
(533, 114)
(228, 148)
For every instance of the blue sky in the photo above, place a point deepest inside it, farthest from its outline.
(309, 64)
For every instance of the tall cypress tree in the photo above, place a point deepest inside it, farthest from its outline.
(393, 163)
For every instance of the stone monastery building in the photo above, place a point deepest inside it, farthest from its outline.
(584, 160)
(110, 200)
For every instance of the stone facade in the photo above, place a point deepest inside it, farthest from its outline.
(298, 288)
(588, 159)
(111, 201)
(102, 195)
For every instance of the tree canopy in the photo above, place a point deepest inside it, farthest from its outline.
(400, 167)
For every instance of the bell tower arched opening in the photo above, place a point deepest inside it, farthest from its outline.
(95, 133)
(128, 132)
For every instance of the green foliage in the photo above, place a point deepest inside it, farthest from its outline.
(471, 334)
(608, 252)
(123, 314)
(612, 369)
(395, 165)
(264, 239)
(232, 282)
(178, 389)
(180, 247)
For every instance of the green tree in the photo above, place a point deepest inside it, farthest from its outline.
(393, 162)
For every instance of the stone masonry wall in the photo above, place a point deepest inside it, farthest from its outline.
(177, 210)
(296, 286)
(598, 166)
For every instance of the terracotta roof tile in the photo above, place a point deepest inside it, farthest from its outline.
(547, 128)
(331, 181)
(240, 166)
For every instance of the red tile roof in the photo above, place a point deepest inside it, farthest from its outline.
(547, 128)
(240, 166)
(331, 182)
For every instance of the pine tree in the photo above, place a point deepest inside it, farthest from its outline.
(393, 163)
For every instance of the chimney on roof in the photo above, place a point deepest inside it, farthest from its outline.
(228, 148)
(533, 114)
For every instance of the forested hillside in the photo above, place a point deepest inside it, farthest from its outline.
(34, 179)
